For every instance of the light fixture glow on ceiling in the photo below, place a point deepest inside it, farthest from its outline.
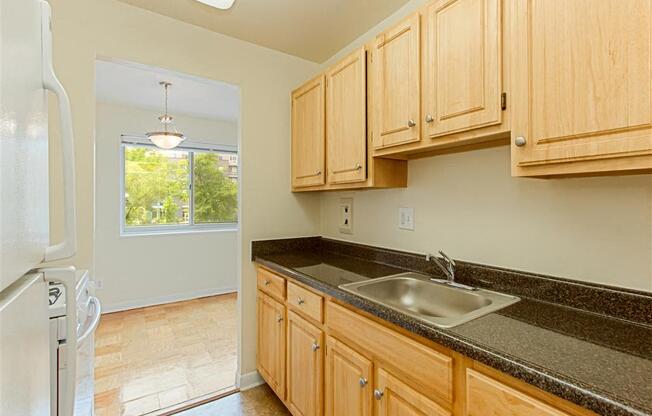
(219, 4)
(166, 139)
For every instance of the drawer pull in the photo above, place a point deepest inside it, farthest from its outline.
(363, 382)
(411, 123)
(357, 166)
(300, 301)
(266, 282)
(378, 394)
(315, 346)
(279, 318)
(310, 175)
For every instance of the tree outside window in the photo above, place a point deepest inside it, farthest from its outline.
(161, 191)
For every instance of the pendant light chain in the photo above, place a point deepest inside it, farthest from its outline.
(165, 124)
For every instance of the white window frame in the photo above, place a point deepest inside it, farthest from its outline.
(191, 227)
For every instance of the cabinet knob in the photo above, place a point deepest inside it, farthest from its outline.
(378, 394)
(279, 318)
(300, 301)
(315, 346)
(429, 118)
(363, 382)
(411, 123)
(520, 141)
(266, 282)
(318, 172)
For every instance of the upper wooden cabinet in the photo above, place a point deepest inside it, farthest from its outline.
(331, 134)
(397, 86)
(308, 134)
(459, 96)
(582, 87)
(463, 74)
(346, 119)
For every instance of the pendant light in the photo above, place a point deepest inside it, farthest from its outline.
(166, 139)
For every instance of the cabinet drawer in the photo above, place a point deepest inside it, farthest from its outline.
(271, 284)
(305, 302)
(486, 396)
(432, 371)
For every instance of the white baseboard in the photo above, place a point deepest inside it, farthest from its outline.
(161, 300)
(250, 380)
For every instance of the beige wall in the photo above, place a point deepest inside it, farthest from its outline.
(591, 229)
(153, 269)
(85, 29)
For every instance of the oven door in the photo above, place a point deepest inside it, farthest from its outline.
(91, 309)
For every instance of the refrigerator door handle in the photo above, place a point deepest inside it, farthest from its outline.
(67, 277)
(67, 247)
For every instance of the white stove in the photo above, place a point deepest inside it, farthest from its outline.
(88, 317)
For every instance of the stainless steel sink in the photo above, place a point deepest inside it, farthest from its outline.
(435, 303)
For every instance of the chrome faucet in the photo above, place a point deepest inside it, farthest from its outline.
(446, 265)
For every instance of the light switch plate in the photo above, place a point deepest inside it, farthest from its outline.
(406, 219)
(346, 215)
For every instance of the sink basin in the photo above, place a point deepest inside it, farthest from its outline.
(435, 303)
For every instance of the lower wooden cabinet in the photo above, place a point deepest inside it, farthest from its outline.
(395, 398)
(270, 352)
(349, 388)
(305, 367)
(340, 362)
(488, 397)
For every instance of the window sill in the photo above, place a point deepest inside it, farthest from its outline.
(159, 232)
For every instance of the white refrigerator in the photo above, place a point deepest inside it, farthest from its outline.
(26, 75)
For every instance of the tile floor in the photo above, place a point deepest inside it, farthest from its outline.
(153, 358)
(259, 401)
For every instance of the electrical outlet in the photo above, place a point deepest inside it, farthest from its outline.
(99, 284)
(406, 219)
(346, 216)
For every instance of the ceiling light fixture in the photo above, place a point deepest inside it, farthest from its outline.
(219, 4)
(166, 139)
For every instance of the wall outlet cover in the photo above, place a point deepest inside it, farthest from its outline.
(346, 215)
(406, 219)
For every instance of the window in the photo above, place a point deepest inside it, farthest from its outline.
(189, 188)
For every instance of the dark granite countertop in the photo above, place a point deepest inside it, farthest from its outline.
(600, 362)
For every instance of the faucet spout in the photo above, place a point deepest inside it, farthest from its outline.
(445, 264)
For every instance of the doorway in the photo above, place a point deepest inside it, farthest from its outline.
(166, 239)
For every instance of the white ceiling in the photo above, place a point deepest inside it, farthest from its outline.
(311, 29)
(138, 86)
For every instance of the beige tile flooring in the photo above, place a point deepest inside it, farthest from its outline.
(260, 401)
(152, 358)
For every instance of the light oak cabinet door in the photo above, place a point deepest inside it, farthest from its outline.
(582, 86)
(395, 398)
(348, 387)
(397, 84)
(308, 134)
(270, 350)
(488, 397)
(305, 367)
(462, 74)
(346, 118)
